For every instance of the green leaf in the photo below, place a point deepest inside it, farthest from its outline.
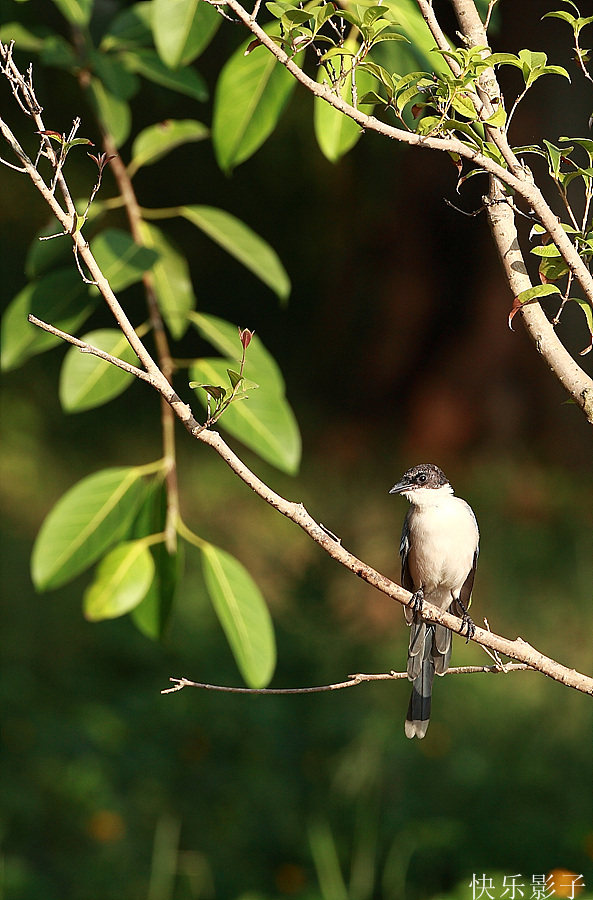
(537, 292)
(250, 96)
(122, 580)
(154, 142)
(84, 523)
(122, 261)
(552, 269)
(78, 12)
(152, 614)
(264, 421)
(131, 28)
(87, 381)
(335, 132)
(498, 118)
(60, 298)
(243, 614)
(171, 280)
(546, 250)
(111, 110)
(148, 64)
(182, 29)
(241, 242)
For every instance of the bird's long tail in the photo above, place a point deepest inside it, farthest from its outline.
(429, 652)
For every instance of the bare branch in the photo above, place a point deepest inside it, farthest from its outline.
(88, 348)
(353, 680)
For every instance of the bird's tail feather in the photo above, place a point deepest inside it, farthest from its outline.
(429, 652)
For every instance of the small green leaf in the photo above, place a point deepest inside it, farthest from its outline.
(84, 523)
(243, 614)
(264, 422)
(546, 250)
(182, 29)
(78, 12)
(87, 381)
(171, 280)
(240, 241)
(498, 118)
(60, 298)
(122, 261)
(122, 580)
(148, 64)
(251, 94)
(111, 110)
(154, 142)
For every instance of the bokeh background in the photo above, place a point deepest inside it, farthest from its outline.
(396, 350)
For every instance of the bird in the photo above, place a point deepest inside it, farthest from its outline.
(439, 553)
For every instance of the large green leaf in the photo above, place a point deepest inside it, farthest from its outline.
(60, 298)
(122, 580)
(335, 132)
(112, 110)
(171, 280)
(84, 523)
(148, 64)
(87, 381)
(243, 614)
(157, 140)
(263, 421)
(78, 12)
(411, 23)
(252, 91)
(182, 29)
(122, 261)
(241, 242)
(260, 365)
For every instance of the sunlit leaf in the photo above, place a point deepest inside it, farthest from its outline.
(182, 29)
(111, 110)
(122, 580)
(251, 94)
(243, 614)
(84, 523)
(87, 381)
(171, 280)
(154, 142)
(122, 261)
(335, 132)
(241, 242)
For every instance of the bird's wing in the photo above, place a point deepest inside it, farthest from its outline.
(406, 578)
(466, 591)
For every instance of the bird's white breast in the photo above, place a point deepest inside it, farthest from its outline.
(443, 536)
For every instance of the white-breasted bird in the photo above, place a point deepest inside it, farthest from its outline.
(439, 552)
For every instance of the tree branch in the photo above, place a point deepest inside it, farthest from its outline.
(353, 680)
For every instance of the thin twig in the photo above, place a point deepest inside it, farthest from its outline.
(353, 680)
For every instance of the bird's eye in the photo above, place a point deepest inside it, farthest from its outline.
(421, 478)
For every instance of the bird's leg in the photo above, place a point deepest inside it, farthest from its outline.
(416, 601)
(466, 622)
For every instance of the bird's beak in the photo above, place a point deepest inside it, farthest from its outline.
(399, 488)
